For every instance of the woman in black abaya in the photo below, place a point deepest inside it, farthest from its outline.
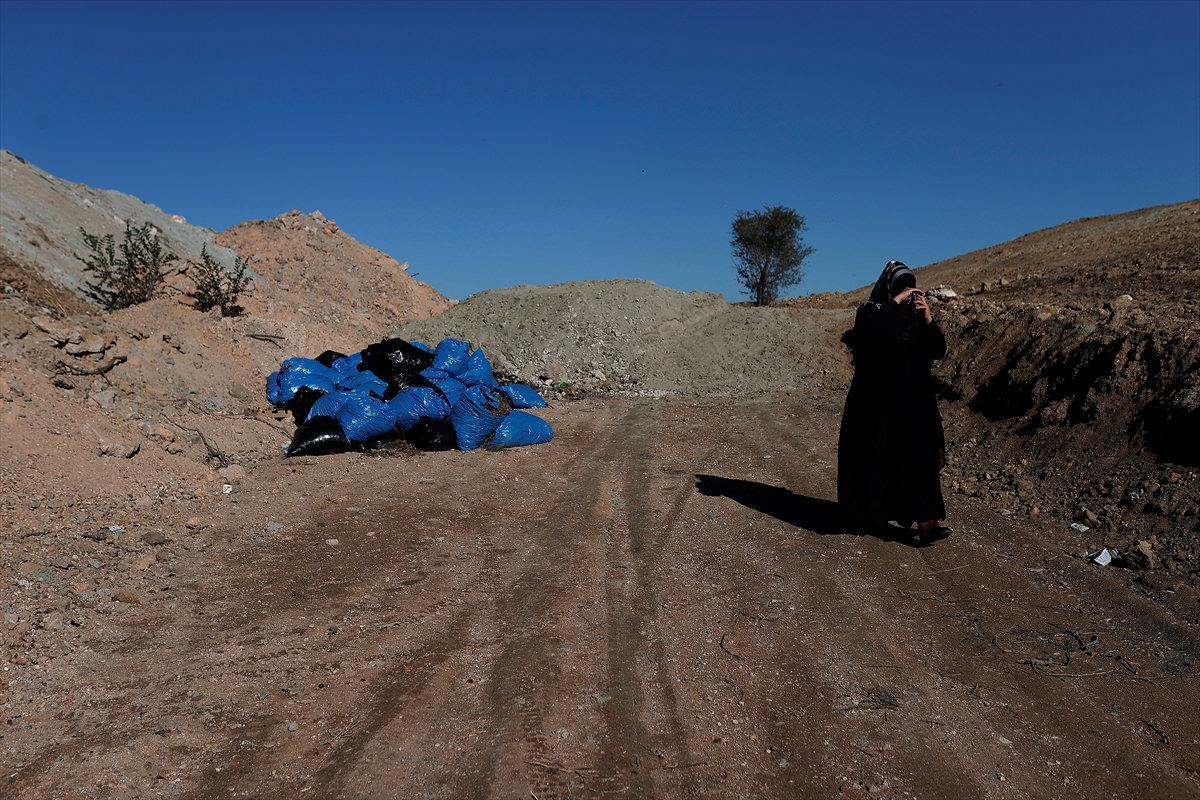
(891, 449)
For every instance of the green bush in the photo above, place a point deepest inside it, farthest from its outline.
(218, 288)
(125, 274)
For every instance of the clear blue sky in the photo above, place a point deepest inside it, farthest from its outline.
(492, 144)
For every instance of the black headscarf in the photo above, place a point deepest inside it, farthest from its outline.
(895, 277)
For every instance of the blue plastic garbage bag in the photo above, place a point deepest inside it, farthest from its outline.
(347, 364)
(293, 381)
(364, 381)
(478, 371)
(295, 374)
(521, 428)
(433, 403)
(306, 366)
(451, 356)
(523, 396)
(364, 417)
(407, 409)
(327, 405)
(274, 389)
(477, 414)
(448, 385)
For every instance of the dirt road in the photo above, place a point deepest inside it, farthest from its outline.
(659, 604)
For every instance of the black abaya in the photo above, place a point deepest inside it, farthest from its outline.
(891, 448)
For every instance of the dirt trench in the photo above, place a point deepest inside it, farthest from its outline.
(661, 603)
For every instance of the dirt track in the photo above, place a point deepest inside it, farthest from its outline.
(578, 620)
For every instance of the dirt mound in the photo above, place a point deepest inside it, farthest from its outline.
(636, 337)
(332, 285)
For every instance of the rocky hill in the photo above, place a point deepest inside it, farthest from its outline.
(136, 416)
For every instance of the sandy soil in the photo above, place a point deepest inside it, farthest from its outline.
(658, 604)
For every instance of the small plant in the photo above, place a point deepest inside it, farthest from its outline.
(218, 288)
(125, 274)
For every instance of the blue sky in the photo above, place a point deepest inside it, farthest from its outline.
(492, 144)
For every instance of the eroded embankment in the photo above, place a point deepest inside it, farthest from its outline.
(1091, 413)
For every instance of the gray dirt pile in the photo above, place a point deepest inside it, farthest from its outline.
(635, 337)
(145, 418)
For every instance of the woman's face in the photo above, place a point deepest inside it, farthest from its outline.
(902, 282)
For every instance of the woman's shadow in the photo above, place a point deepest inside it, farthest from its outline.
(810, 513)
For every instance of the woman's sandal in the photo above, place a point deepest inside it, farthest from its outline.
(927, 534)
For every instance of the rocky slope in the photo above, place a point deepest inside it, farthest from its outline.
(41, 216)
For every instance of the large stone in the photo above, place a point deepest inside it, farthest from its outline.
(232, 473)
(127, 596)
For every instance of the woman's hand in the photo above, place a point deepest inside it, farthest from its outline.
(922, 304)
(902, 296)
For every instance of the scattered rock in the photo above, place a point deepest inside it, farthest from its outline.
(194, 523)
(234, 472)
(105, 399)
(154, 538)
(93, 345)
(1121, 301)
(57, 331)
(126, 596)
(1144, 555)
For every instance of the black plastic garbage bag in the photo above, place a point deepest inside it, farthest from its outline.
(302, 403)
(403, 381)
(395, 360)
(432, 434)
(319, 436)
(327, 358)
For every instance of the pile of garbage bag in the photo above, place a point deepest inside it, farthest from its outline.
(435, 398)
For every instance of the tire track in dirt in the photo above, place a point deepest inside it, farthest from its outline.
(525, 674)
(641, 700)
(515, 617)
(302, 584)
